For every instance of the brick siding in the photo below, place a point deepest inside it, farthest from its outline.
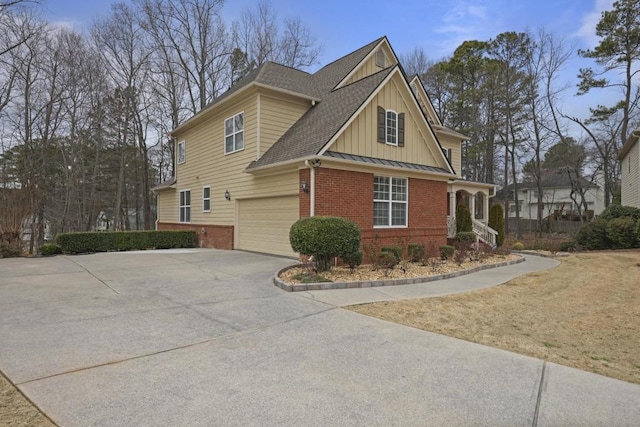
(214, 236)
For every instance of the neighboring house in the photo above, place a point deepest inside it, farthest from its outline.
(356, 139)
(630, 166)
(557, 200)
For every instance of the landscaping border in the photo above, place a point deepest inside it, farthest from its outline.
(299, 287)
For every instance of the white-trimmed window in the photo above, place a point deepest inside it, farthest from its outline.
(234, 133)
(185, 206)
(390, 206)
(391, 127)
(448, 153)
(206, 199)
(182, 153)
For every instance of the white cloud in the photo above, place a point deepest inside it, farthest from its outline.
(587, 31)
(463, 21)
(65, 24)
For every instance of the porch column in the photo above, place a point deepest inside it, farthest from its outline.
(452, 204)
(485, 199)
(472, 207)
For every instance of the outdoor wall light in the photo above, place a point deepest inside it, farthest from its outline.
(227, 195)
(304, 187)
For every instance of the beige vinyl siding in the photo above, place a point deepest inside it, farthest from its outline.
(631, 179)
(168, 206)
(360, 137)
(277, 115)
(264, 223)
(369, 67)
(207, 165)
(448, 141)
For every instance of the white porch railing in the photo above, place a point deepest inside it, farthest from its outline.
(485, 233)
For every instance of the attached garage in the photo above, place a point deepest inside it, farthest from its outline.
(263, 224)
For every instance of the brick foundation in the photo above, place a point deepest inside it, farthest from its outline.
(350, 194)
(214, 236)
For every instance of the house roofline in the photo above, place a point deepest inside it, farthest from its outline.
(631, 141)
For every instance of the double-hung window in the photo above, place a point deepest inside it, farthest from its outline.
(182, 154)
(185, 206)
(391, 126)
(234, 133)
(206, 199)
(390, 201)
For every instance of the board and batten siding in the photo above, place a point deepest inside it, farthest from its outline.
(207, 164)
(360, 137)
(369, 66)
(631, 177)
(449, 141)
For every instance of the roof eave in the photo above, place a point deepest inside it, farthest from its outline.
(633, 139)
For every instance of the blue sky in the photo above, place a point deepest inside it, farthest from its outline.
(438, 26)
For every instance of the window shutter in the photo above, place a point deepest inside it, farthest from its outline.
(381, 125)
(401, 130)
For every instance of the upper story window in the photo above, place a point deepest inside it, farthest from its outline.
(381, 59)
(185, 206)
(182, 154)
(234, 133)
(448, 154)
(206, 199)
(389, 201)
(390, 127)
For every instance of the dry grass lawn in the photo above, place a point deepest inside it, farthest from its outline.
(584, 313)
(15, 410)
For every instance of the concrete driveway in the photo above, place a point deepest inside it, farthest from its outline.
(202, 337)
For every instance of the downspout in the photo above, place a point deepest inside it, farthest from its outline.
(258, 130)
(312, 189)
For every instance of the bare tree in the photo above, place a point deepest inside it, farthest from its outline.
(416, 62)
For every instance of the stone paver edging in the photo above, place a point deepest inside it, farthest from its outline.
(299, 287)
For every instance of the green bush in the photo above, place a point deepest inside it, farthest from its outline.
(387, 260)
(48, 249)
(496, 221)
(9, 251)
(621, 233)
(463, 219)
(593, 236)
(466, 237)
(446, 251)
(416, 252)
(395, 250)
(124, 241)
(568, 246)
(518, 246)
(324, 237)
(353, 260)
(617, 211)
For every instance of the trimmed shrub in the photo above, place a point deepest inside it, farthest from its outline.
(395, 250)
(446, 251)
(518, 246)
(387, 260)
(9, 251)
(621, 233)
(638, 231)
(569, 246)
(324, 237)
(416, 252)
(463, 219)
(496, 221)
(48, 249)
(353, 260)
(593, 236)
(466, 237)
(617, 211)
(85, 242)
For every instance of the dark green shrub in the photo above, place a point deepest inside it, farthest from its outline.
(593, 236)
(48, 249)
(9, 251)
(463, 219)
(568, 246)
(353, 260)
(416, 252)
(621, 233)
(387, 260)
(446, 251)
(466, 237)
(324, 237)
(124, 241)
(395, 250)
(617, 211)
(638, 231)
(496, 221)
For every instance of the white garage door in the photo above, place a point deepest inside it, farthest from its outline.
(263, 224)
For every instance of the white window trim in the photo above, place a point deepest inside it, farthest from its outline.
(390, 203)
(206, 198)
(184, 150)
(386, 126)
(180, 206)
(233, 134)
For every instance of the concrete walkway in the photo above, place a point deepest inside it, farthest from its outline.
(203, 338)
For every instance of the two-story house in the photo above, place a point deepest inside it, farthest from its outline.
(629, 157)
(355, 139)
